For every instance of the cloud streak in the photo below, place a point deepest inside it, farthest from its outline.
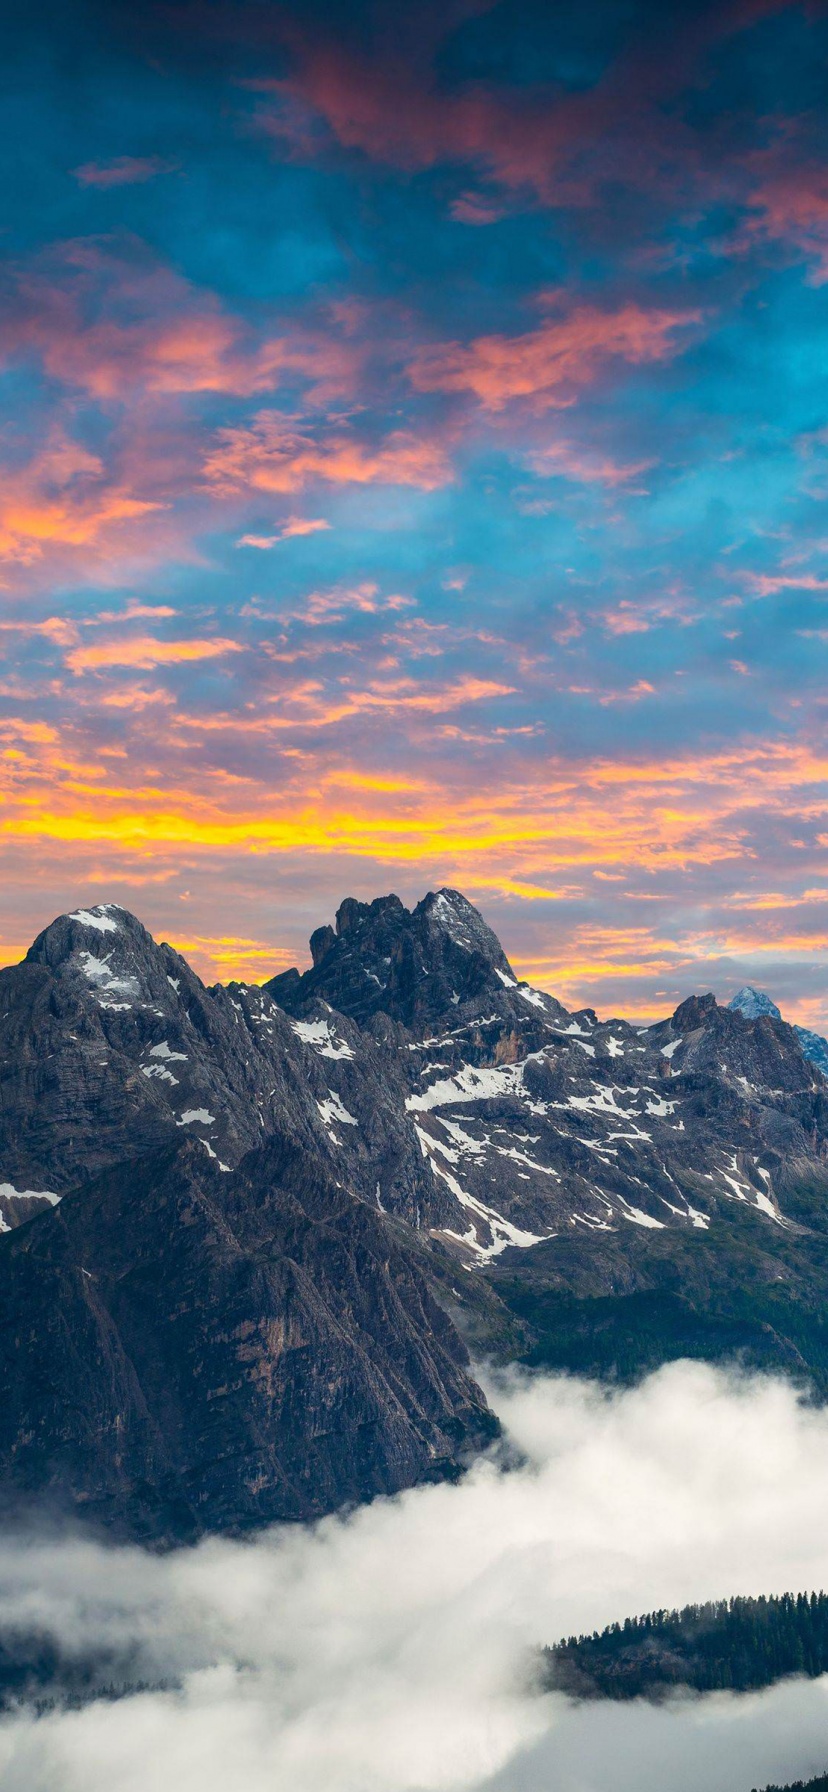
(547, 366)
(123, 171)
(143, 651)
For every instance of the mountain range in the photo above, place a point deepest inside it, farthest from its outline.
(252, 1234)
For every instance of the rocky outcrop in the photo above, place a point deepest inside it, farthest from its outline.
(414, 965)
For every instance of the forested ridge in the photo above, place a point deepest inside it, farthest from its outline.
(820, 1784)
(734, 1645)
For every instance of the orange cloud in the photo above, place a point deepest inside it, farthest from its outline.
(63, 498)
(550, 364)
(226, 958)
(589, 814)
(18, 728)
(134, 697)
(268, 455)
(142, 652)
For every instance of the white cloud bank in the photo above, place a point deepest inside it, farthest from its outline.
(386, 1652)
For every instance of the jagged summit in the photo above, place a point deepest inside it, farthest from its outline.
(415, 965)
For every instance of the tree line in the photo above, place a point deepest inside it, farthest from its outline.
(732, 1645)
(820, 1784)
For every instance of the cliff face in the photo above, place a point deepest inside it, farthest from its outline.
(182, 1349)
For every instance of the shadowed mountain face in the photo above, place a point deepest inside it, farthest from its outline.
(252, 1210)
(184, 1350)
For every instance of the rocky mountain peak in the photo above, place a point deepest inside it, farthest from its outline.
(416, 965)
(105, 959)
(752, 1002)
(693, 1013)
(101, 930)
(751, 1044)
(352, 916)
(451, 913)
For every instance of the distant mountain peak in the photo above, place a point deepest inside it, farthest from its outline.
(752, 1002)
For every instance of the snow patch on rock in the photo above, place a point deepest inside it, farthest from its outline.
(320, 1035)
(100, 917)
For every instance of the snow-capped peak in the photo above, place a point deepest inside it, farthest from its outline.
(752, 1002)
(100, 917)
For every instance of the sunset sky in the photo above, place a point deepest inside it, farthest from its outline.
(415, 462)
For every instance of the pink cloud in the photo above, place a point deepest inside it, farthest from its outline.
(767, 584)
(475, 208)
(391, 109)
(63, 498)
(331, 606)
(295, 525)
(113, 322)
(547, 366)
(538, 142)
(300, 525)
(790, 206)
(51, 628)
(134, 608)
(584, 464)
(271, 455)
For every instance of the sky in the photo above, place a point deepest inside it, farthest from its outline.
(414, 466)
(393, 1650)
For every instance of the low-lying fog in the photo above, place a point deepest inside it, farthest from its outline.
(387, 1652)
